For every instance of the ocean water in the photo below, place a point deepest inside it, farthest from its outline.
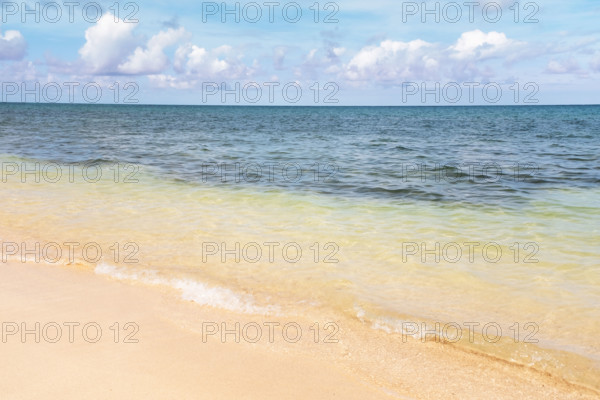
(393, 216)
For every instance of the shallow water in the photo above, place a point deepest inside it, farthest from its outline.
(509, 195)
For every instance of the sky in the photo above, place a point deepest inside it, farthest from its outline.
(349, 52)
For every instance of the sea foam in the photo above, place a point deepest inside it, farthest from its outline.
(191, 290)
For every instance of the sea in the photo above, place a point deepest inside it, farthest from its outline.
(476, 226)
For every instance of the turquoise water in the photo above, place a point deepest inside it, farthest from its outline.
(454, 154)
(384, 203)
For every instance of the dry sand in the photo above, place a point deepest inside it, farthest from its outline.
(172, 361)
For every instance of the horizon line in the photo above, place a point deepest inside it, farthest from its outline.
(297, 105)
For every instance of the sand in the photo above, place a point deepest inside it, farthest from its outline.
(173, 360)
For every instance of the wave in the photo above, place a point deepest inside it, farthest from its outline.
(191, 290)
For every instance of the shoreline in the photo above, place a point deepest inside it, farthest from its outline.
(371, 288)
(169, 361)
(179, 353)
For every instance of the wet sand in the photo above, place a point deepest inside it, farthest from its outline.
(178, 354)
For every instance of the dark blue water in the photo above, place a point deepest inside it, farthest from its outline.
(469, 154)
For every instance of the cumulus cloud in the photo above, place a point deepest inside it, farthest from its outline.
(107, 44)
(111, 48)
(194, 64)
(339, 51)
(480, 45)
(12, 45)
(392, 61)
(220, 62)
(152, 59)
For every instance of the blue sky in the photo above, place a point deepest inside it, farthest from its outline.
(381, 52)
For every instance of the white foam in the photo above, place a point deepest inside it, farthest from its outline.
(388, 325)
(190, 290)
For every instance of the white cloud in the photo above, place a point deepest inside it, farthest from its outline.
(392, 61)
(107, 44)
(152, 59)
(12, 45)
(222, 62)
(112, 48)
(479, 45)
(339, 51)
(194, 65)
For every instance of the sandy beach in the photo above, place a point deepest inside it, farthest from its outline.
(176, 357)
(321, 200)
